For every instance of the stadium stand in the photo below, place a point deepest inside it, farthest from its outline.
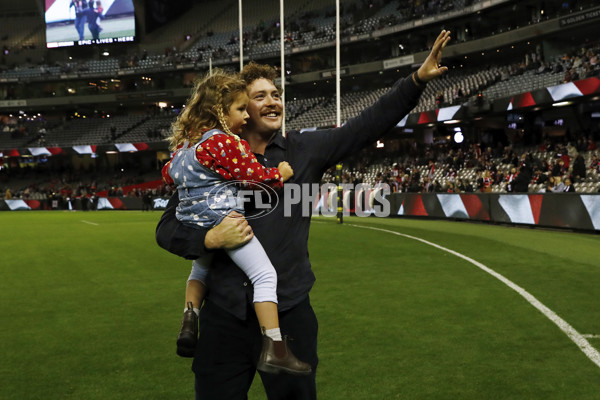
(80, 84)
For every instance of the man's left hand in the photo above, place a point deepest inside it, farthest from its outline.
(431, 67)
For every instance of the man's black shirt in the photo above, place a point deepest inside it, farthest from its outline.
(285, 238)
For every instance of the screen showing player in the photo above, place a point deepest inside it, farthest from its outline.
(83, 22)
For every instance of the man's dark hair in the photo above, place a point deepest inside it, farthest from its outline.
(253, 71)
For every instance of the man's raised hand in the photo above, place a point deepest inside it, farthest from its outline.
(431, 67)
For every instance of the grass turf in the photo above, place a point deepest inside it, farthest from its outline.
(90, 309)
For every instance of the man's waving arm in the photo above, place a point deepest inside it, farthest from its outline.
(378, 119)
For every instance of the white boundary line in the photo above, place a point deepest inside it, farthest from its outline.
(591, 336)
(88, 222)
(576, 337)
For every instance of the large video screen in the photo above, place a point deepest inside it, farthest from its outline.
(83, 22)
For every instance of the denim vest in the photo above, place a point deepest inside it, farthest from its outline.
(205, 196)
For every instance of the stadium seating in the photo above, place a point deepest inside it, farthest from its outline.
(210, 31)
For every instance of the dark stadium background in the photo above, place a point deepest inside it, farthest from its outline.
(423, 306)
(90, 120)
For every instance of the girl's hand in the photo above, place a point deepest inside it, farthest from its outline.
(285, 170)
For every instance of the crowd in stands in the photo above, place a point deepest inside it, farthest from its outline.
(364, 17)
(452, 169)
(577, 64)
(438, 168)
(311, 27)
(581, 63)
(449, 168)
(56, 191)
(455, 88)
(33, 128)
(441, 167)
(24, 131)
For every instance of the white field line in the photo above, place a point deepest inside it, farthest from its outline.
(564, 326)
(88, 222)
(591, 336)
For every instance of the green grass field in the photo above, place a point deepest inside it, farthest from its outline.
(91, 307)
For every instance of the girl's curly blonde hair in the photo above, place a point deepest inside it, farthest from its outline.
(205, 109)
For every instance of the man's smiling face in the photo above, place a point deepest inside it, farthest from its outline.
(265, 107)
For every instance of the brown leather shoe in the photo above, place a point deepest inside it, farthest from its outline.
(276, 357)
(188, 335)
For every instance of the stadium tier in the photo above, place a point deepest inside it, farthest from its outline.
(511, 64)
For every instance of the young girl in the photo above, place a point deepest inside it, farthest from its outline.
(209, 155)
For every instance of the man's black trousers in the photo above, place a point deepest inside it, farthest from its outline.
(228, 350)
